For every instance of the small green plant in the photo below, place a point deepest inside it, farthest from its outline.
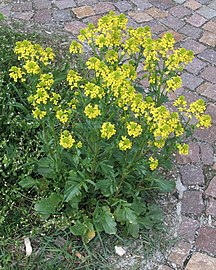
(106, 138)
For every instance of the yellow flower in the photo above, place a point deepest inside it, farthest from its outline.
(134, 129)
(124, 143)
(37, 113)
(92, 111)
(66, 139)
(93, 90)
(204, 120)
(79, 144)
(183, 148)
(62, 115)
(75, 47)
(107, 130)
(73, 78)
(16, 73)
(32, 67)
(153, 163)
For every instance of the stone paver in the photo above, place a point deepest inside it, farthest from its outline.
(193, 25)
(206, 240)
(179, 253)
(207, 154)
(188, 228)
(192, 202)
(200, 261)
(192, 175)
(211, 190)
(211, 208)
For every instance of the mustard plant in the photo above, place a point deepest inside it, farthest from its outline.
(106, 137)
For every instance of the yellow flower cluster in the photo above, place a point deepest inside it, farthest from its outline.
(153, 163)
(93, 90)
(73, 78)
(195, 110)
(75, 47)
(16, 73)
(107, 130)
(66, 139)
(183, 148)
(33, 52)
(174, 83)
(124, 143)
(134, 129)
(92, 111)
(62, 115)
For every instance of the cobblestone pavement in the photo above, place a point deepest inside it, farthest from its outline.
(193, 24)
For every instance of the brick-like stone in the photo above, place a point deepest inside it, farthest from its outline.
(43, 16)
(41, 4)
(26, 16)
(84, 11)
(5, 10)
(190, 81)
(62, 15)
(207, 134)
(200, 261)
(74, 27)
(86, 2)
(209, 55)
(196, 20)
(142, 4)
(19, 7)
(196, 66)
(193, 45)
(207, 12)
(164, 267)
(191, 31)
(210, 26)
(158, 29)
(193, 155)
(209, 74)
(192, 202)
(179, 1)
(206, 240)
(173, 22)
(103, 7)
(180, 11)
(211, 208)
(212, 5)
(157, 13)
(165, 4)
(188, 228)
(211, 190)
(207, 154)
(192, 4)
(208, 38)
(192, 175)
(179, 253)
(123, 6)
(207, 89)
(177, 36)
(63, 4)
(93, 19)
(211, 110)
(140, 17)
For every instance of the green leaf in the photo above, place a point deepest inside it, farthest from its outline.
(133, 229)
(107, 169)
(103, 219)
(72, 187)
(107, 186)
(47, 206)
(164, 185)
(1, 16)
(28, 182)
(79, 229)
(46, 167)
(125, 214)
